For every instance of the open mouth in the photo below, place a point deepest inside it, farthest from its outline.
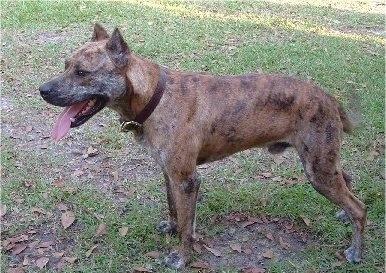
(75, 115)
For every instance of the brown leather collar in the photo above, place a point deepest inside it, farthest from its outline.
(136, 123)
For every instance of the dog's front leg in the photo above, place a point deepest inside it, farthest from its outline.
(185, 193)
(169, 226)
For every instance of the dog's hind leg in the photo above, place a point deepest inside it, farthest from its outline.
(322, 167)
(342, 215)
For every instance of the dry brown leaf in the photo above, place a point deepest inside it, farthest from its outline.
(18, 239)
(17, 249)
(336, 264)
(88, 253)
(42, 262)
(141, 269)
(236, 247)
(283, 244)
(251, 221)
(214, 251)
(102, 230)
(199, 265)
(100, 217)
(62, 207)
(77, 173)
(266, 174)
(268, 254)
(45, 244)
(90, 152)
(26, 261)
(197, 248)
(123, 231)
(58, 255)
(153, 254)
(269, 235)
(58, 182)
(15, 270)
(3, 210)
(34, 243)
(115, 175)
(253, 270)
(67, 219)
(70, 260)
(306, 220)
(38, 211)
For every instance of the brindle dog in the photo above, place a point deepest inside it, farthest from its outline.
(198, 118)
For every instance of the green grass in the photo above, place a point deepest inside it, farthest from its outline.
(339, 48)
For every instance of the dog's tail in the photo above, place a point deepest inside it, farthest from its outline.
(348, 124)
(351, 116)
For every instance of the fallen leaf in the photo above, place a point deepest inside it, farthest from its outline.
(266, 174)
(197, 248)
(141, 269)
(153, 254)
(305, 220)
(102, 230)
(236, 247)
(336, 264)
(15, 270)
(18, 239)
(3, 210)
(251, 221)
(67, 219)
(90, 152)
(269, 235)
(38, 211)
(33, 244)
(214, 251)
(123, 231)
(268, 254)
(247, 251)
(283, 244)
(26, 261)
(88, 253)
(45, 244)
(42, 262)
(115, 176)
(58, 255)
(253, 270)
(62, 207)
(77, 173)
(17, 249)
(199, 265)
(264, 202)
(58, 182)
(70, 260)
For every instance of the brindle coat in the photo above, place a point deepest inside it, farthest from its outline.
(202, 118)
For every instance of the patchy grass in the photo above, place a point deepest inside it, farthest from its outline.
(338, 44)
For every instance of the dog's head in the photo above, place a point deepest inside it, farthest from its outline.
(93, 78)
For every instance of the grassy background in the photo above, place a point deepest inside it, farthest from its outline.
(338, 44)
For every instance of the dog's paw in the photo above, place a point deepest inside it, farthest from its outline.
(353, 255)
(167, 227)
(342, 215)
(175, 260)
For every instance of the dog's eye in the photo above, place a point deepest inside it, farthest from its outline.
(81, 73)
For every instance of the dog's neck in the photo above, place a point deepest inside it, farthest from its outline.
(144, 76)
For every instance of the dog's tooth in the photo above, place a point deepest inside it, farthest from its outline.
(72, 119)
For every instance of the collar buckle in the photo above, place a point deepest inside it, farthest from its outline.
(127, 126)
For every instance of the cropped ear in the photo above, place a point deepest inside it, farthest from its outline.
(117, 49)
(99, 33)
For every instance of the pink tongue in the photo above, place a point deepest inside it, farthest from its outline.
(62, 125)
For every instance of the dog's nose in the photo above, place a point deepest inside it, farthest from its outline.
(45, 89)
